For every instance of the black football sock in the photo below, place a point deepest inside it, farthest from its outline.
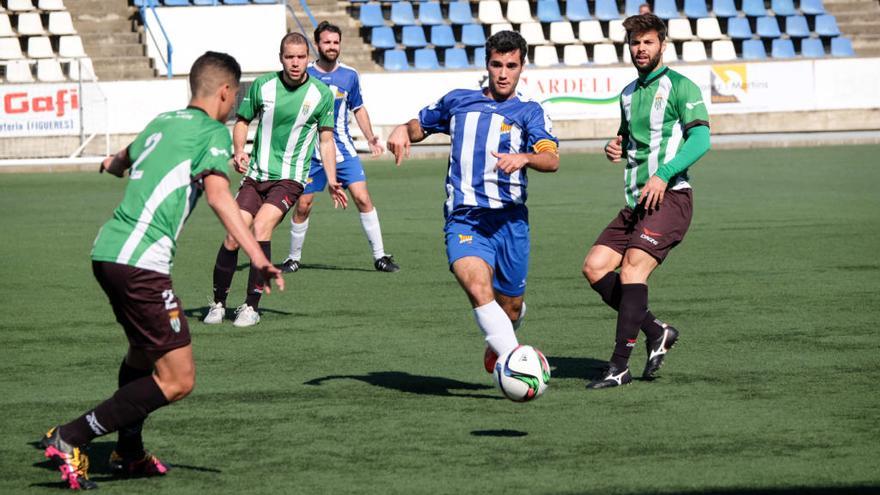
(255, 279)
(608, 288)
(130, 443)
(130, 404)
(224, 270)
(633, 307)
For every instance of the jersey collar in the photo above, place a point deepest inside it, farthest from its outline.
(650, 78)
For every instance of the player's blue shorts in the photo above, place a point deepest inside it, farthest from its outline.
(348, 172)
(499, 237)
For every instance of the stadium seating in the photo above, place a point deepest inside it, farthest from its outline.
(503, 26)
(768, 27)
(371, 15)
(604, 54)
(826, 25)
(395, 60)
(753, 50)
(738, 28)
(49, 70)
(796, 26)
(842, 47)
(10, 49)
(606, 10)
(782, 48)
(430, 14)
(402, 14)
(29, 23)
(591, 32)
(670, 55)
(39, 47)
(426, 59)
(709, 29)
(812, 7)
(5, 26)
(679, 29)
(383, 37)
(61, 23)
(812, 48)
(19, 5)
(489, 12)
(783, 7)
(561, 33)
(693, 51)
(460, 13)
(70, 47)
(723, 51)
(548, 11)
(413, 37)
(574, 55)
(442, 36)
(519, 12)
(631, 7)
(695, 9)
(754, 8)
(577, 10)
(455, 58)
(545, 56)
(616, 33)
(533, 33)
(473, 35)
(724, 8)
(665, 9)
(19, 71)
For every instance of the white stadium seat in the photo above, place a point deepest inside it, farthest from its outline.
(670, 55)
(39, 47)
(51, 5)
(61, 23)
(545, 56)
(616, 33)
(693, 51)
(561, 33)
(519, 12)
(81, 65)
(29, 23)
(679, 29)
(604, 54)
(501, 26)
(71, 47)
(490, 12)
(19, 5)
(5, 26)
(626, 55)
(591, 32)
(575, 55)
(10, 49)
(49, 70)
(709, 29)
(19, 71)
(723, 50)
(533, 33)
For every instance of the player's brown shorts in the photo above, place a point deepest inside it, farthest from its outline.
(279, 193)
(145, 306)
(655, 232)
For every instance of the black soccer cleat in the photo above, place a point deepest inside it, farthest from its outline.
(290, 266)
(657, 351)
(386, 264)
(613, 377)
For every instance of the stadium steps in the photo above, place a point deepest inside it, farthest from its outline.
(355, 52)
(860, 21)
(111, 38)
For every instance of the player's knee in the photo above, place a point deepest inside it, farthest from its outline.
(633, 274)
(181, 387)
(304, 207)
(513, 308)
(364, 203)
(594, 269)
(263, 230)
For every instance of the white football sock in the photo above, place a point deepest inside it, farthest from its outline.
(496, 326)
(297, 238)
(519, 321)
(370, 223)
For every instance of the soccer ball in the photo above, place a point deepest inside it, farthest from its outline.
(522, 374)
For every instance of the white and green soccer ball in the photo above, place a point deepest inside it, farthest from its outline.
(522, 374)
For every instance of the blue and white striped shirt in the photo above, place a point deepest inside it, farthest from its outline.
(477, 126)
(345, 84)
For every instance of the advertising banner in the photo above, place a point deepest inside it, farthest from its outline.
(39, 110)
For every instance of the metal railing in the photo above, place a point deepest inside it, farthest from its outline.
(169, 50)
(302, 28)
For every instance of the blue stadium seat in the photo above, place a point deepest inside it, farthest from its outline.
(456, 58)
(812, 7)
(480, 56)
(812, 48)
(753, 50)
(782, 48)
(382, 37)
(429, 14)
(371, 15)
(442, 36)
(176, 3)
(754, 8)
(413, 37)
(426, 59)
(195, 2)
(724, 8)
(783, 7)
(695, 9)
(631, 7)
(826, 25)
(842, 47)
(738, 28)
(606, 10)
(768, 27)
(548, 11)
(796, 26)
(473, 35)
(577, 10)
(402, 14)
(236, 2)
(395, 60)
(265, 1)
(460, 13)
(665, 9)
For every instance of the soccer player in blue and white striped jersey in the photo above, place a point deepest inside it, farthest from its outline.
(496, 135)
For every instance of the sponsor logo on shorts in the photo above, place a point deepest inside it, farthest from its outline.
(630, 342)
(286, 202)
(522, 284)
(649, 236)
(465, 239)
(174, 318)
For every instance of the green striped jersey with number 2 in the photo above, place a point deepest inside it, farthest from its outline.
(170, 157)
(656, 114)
(288, 127)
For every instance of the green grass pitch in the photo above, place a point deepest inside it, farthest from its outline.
(363, 382)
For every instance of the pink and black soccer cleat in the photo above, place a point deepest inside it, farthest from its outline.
(71, 461)
(145, 465)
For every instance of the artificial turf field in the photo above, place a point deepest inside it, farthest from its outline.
(363, 382)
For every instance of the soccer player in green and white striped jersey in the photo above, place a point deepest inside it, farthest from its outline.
(294, 110)
(176, 157)
(664, 129)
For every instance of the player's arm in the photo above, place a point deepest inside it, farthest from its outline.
(614, 147)
(541, 161)
(363, 121)
(239, 138)
(221, 201)
(116, 164)
(327, 148)
(402, 137)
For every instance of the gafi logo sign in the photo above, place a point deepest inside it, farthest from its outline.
(729, 83)
(33, 103)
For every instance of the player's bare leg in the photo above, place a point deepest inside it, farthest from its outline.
(224, 271)
(475, 277)
(267, 218)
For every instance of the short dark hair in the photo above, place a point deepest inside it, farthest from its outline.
(292, 38)
(326, 26)
(642, 23)
(211, 70)
(506, 42)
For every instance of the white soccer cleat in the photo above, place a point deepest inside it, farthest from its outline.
(246, 316)
(215, 314)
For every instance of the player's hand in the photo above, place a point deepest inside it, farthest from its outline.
(376, 148)
(338, 194)
(269, 273)
(510, 162)
(653, 192)
(614, 149)
(240, 160)
(398, 144)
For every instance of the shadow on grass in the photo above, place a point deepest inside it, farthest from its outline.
(798, 490)
(498, 433)
(200, 313)
(310, 266)
(99, 468)
(413, 384)
(575, 367)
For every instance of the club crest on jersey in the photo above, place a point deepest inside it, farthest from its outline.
(174, 318)
(658, 102)
(505, 128)
(465, 239)
(305, 109)
(340, 94)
